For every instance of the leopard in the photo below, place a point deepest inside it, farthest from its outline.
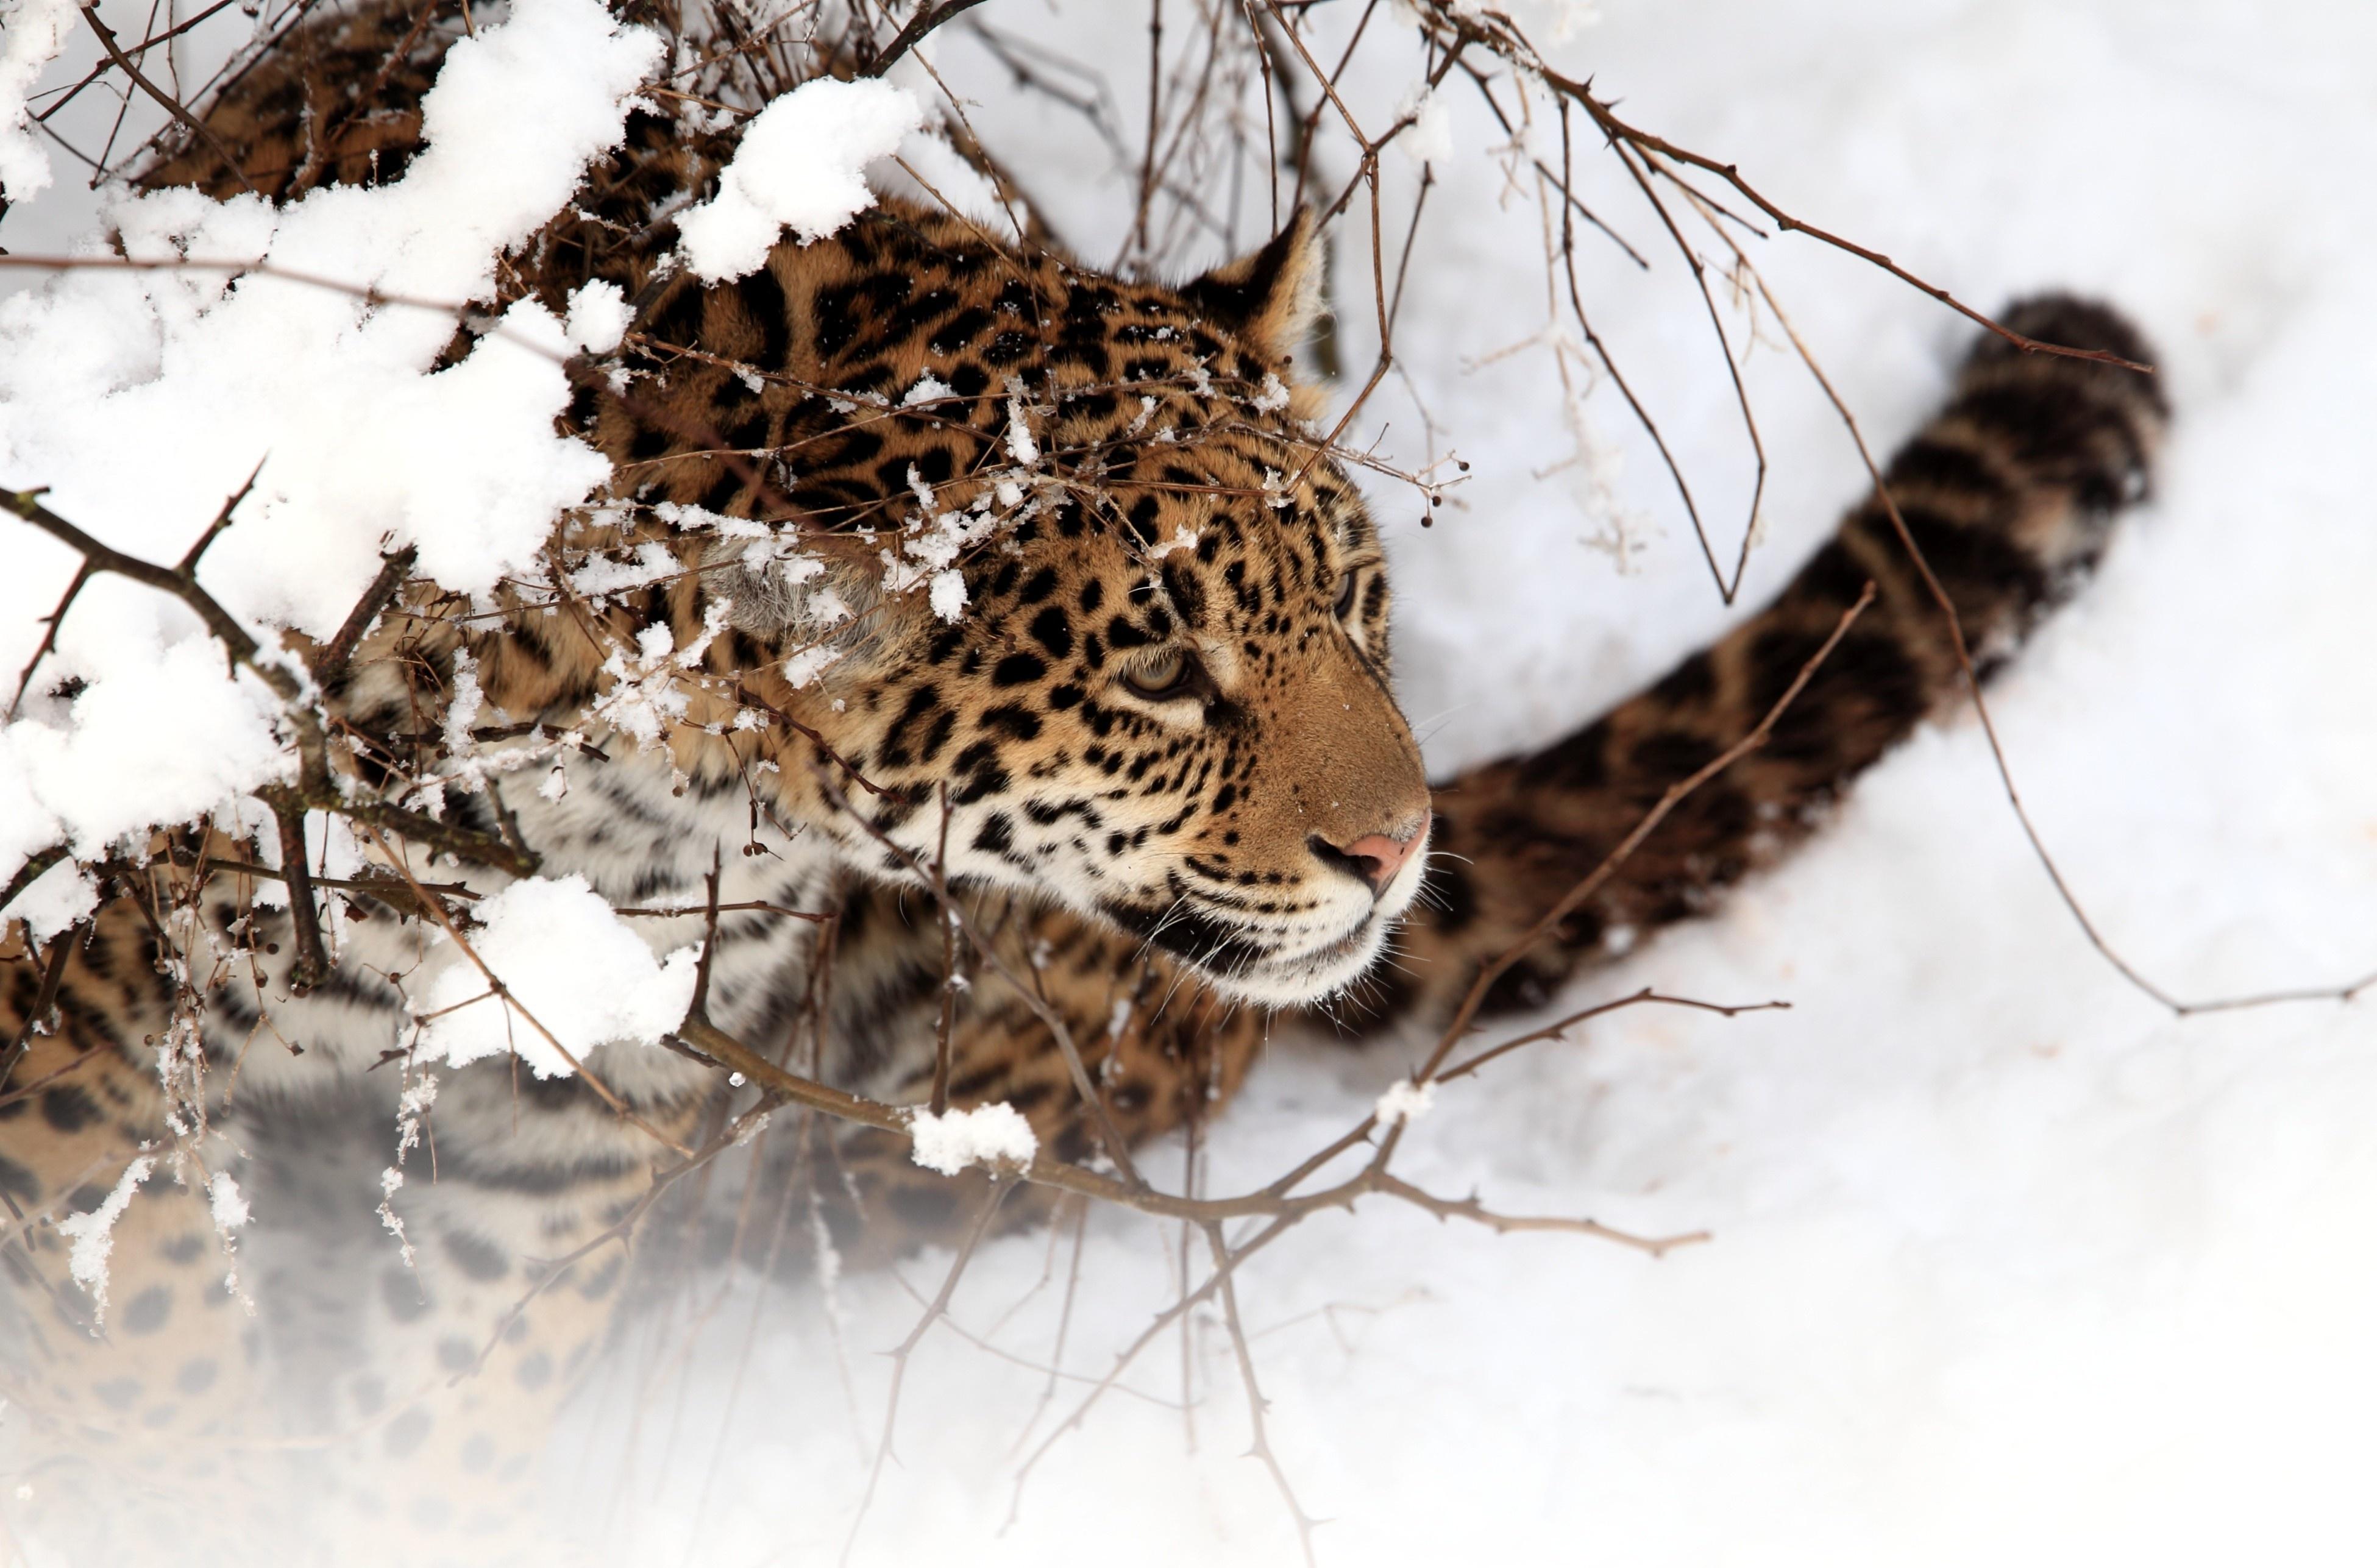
(1150, 791)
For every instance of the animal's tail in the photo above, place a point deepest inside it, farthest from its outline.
(2008, 494)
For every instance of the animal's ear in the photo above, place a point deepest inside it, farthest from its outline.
(1270, 297)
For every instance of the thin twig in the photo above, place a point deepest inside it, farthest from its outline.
(166, 100)
(907, 1347)
(1259, 1447)
(1675, 793)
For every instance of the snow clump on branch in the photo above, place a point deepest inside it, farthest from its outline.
(580, 977)
(801, 166)
(203, 369)
(992, 1134)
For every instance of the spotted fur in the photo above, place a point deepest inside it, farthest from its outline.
(1159, 751)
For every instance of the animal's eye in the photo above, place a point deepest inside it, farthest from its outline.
(1346, 587)
(1160, 676)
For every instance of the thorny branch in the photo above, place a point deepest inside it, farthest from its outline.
(936, 1310)
(164, 100)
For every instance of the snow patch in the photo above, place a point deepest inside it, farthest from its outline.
(92, 1236)
(32, 33)
(54, 901)
(225, 1202)
(800, 167)
(572, 964)
(1405, 1102)
(992, 1134)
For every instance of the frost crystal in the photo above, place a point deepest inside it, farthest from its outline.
(991, 1135)
(390, 1180)
(1183, 538)
(1428, 139)
(463, 710)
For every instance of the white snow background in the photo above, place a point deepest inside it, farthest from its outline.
(2008, 1264)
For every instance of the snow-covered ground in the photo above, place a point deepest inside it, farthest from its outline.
(2008, 1264)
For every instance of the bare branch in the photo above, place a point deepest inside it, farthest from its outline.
(907, 1347)
(166, 100)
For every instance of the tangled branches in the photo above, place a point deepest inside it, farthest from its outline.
(1320, 146)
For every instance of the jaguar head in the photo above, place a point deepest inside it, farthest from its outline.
(1139, 665)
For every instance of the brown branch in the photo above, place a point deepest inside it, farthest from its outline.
(907, 1347)
(50, 635)
(700, 1038)
(314, 788)
(1118, 1147)
(140, 49)
(166, 100)
(388, 890)
(946, 916)
(331, 659)
(1189, 1300)
(53, 973)
(313, 964)
(1154, 126)
(189, 565)
(1625, 389)
(1554, 1030)
(1259, 1447)
(1476, 1212)
(27, 504)
(926, 18)
(1494, 30)
(1727, 589)
(754, 905)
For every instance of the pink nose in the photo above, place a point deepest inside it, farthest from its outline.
(1376, 858)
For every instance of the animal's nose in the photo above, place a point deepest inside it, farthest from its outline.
(1374, 857)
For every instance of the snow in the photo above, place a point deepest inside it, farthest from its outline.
(1020, 446)
(31, 32)
(1403, 1102)
(992, 1135)
(54, 901)
(202, 378)
(948, 592)
(580, 972)
(162, 733)
(2006, 1264)
(801, 165)
(90, 1236)
(1428, 139)
(225, 1202)
(599, 317)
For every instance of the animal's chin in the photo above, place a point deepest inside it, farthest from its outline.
(1252, 966)
(1249, 966)
(1304, 978)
